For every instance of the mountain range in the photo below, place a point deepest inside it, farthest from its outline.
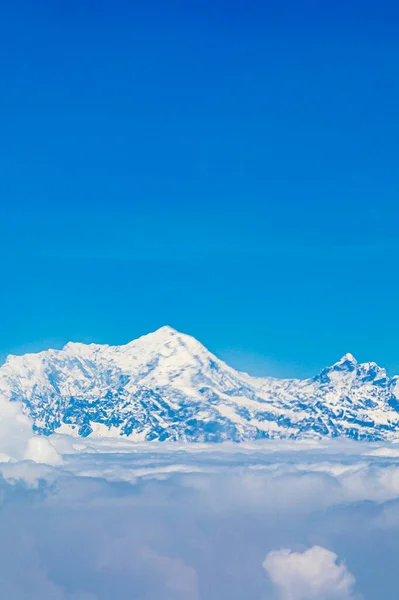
(167, 386)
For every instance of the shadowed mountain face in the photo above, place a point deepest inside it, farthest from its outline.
(167, 386)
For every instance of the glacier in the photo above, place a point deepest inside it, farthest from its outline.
(167, 386)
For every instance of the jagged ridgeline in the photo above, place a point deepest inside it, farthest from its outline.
(167, 386)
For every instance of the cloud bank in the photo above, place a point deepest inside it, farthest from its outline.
(272, 521)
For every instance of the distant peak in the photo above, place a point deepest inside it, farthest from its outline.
(160, 336)
(168, 337)
(347, 363)
(81, 348)
(72, 345)
(347, 358)
(164, 333)
(166, 330)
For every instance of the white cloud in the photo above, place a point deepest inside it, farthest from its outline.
(17, 441)
(312, 574)
(24, 576)
(40, 450)
(176, 577)
(15, 430)
(168, 521)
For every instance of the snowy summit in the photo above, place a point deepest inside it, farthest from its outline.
(167, 386)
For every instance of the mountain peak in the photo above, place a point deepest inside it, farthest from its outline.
(165, 330)
(81, 348)
(170, 338)
(346, 361)
(163, 336)
(346, 364)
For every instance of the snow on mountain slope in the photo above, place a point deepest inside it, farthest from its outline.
(167, 386)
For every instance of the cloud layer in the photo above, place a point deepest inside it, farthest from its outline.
(265, 522)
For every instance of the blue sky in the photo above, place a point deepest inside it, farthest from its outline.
(227, 168)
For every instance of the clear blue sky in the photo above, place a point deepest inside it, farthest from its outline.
(228, 168)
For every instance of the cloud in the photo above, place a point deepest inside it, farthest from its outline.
(17, 441)
(24, 576)
(121, 520)
(40, 450)
(314, 573)
(175, 577)
(15, 430)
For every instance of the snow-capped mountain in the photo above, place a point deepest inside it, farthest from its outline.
(167, 386)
